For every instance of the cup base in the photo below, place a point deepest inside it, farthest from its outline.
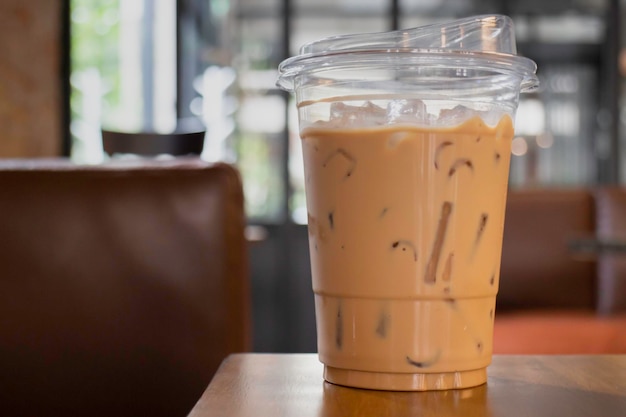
(405, 382)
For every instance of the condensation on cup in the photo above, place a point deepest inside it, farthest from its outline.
(406, 141)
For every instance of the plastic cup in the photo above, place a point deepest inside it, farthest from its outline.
(406, 142)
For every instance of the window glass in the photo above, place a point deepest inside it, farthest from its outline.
(123, 70)
(555, 130)
(261, 115)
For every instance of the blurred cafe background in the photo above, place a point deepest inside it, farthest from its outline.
(71, 69)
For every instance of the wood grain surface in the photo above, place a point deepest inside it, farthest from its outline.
(277, 385)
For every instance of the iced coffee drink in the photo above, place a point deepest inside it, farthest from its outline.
(406, 155)
(396, 211)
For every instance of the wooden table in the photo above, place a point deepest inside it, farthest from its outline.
(285, 385)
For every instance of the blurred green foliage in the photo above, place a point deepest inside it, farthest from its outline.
(95, 39)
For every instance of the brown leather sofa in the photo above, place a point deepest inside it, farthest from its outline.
(122, 287)
(563, 275)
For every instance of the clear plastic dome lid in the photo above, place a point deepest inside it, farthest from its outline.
(488, 38)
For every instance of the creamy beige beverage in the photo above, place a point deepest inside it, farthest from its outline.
(406, 139)
(405, 228)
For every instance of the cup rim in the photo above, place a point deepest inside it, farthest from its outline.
(488, 40)
(514, 65)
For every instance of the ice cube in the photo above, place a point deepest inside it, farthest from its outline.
(338, 110)
(396, 138)
(366, 115)
(456, 115)
(407, 111)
